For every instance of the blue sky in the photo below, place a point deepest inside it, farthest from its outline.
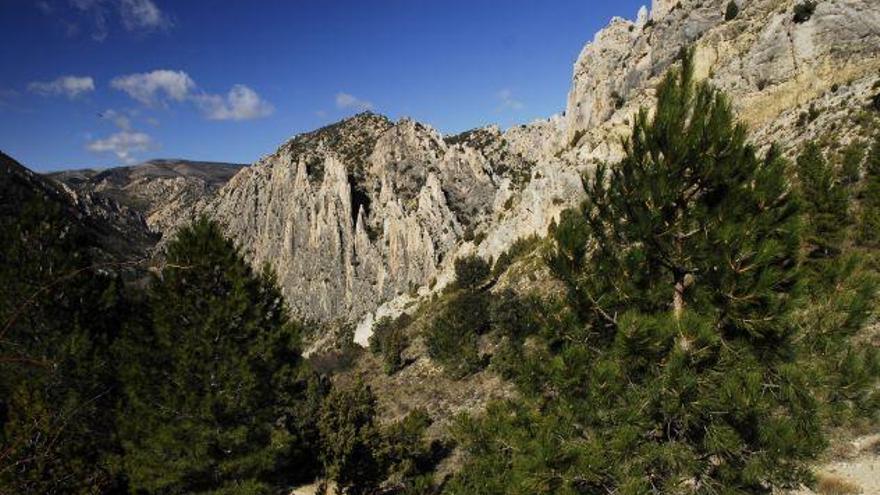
(98, 83)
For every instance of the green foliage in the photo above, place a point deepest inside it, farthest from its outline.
(359, 455)
(803, 10)
(869, 218)
(826, 206)
(59, 315)
(213, 389)
(350, 439)
(851, 160)
(518, 249)
(471, 271)
(835, 309)
(513, 316)
(453, 336)
(731, 11)
(389, 340)
(677, 369)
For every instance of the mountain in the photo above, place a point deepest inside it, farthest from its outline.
(363, 217)
(159, 189)
(368, 210)
(119, 232)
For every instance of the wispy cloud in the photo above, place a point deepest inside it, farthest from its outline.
(100, 16)
(241, 103)
(507, 101)
(346, 101)
(155, 87)
(123, 144)
(121, 120)
(142, 15)
(69, 86)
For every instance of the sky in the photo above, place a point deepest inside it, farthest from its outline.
(101, 83)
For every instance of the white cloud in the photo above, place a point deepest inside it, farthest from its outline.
(505, 96)
(119, 119)
(150, 88)
(122, 144)
(142, 14)
(69, 86)
(241, 103)
(345, 100)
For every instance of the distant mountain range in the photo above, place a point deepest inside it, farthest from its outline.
(159, 189)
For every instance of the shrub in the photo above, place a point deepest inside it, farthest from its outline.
(471, 271)
(519, 248)
(804, 10)
(513, 316)
(453, 337)
(389, 340)
(731, 11)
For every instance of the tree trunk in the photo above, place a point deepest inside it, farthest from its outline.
(678, 296)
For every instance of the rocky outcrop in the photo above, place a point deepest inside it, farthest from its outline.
(366, 210)
(763, 59)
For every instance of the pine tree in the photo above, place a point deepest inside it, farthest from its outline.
(826, 206)
(213, 390)
(59, 315)
(452, 338)
(851, 164)
(869, 218)
(681, 374)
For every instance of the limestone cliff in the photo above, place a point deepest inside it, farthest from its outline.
(364, 217)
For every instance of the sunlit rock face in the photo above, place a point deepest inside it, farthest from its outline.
(365, 217)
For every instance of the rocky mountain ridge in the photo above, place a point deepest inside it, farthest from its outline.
(121, 232)
(363, 218)
(161, 190)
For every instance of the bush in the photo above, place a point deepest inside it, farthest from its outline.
(804, 10)
(471, 272)
(350, 439)
(513, 316)
(732, 11)
(453, 337)
(389, 340)
(521, 247)
(360, 456)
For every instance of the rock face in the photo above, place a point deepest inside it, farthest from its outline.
(161, 190)
(763, 59)
(362, 218)
(366, 210)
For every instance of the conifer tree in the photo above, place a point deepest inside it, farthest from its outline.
(213, 392)
(869, 218)
(826, 206)
(851, 164)
(59, 315)
(453, 336)
(681, 374)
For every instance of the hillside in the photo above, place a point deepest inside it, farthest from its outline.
(118, 231)
(161, 190)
